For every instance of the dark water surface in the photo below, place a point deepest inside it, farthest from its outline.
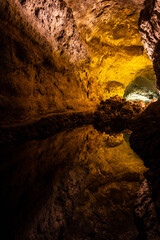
(77, 185)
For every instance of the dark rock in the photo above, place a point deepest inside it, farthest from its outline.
(150, 32)
(118, 113)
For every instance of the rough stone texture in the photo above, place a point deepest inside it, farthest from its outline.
(149, 28)
(145, 213)
(117, 113)
(58, 55)
(150, 33)
(34, 79)
(145, 137)
(54, 21)
(145, 141)
(114, 114)
(78, 184)
(109, 28)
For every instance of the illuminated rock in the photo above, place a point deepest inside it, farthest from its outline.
(54, 21)
(58, 56)
(142, 88)
(117, 108)
(34, 79)
(109, 29)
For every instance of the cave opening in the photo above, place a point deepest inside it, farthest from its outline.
(142, 88)
(79, 126)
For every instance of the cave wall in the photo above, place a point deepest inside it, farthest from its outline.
(54, 21)
(109, 29)
(67, 55)
(35, 79)
(150, 33)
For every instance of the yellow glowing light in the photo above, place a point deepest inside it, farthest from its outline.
(116, 52)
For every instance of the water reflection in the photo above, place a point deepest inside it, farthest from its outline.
(76, 185)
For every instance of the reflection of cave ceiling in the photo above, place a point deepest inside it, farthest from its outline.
(68, 54)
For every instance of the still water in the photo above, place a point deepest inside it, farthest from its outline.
(77, 185)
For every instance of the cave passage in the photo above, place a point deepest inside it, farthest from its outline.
(78, 184)
(74, 77)
(70, 55)
(142, 88)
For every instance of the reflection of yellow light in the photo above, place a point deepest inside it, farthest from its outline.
(114, 172)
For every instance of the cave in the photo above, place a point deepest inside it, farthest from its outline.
(80, 119)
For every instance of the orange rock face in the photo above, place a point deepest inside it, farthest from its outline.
(58, 56)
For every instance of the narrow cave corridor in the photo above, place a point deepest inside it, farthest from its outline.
(79, 126)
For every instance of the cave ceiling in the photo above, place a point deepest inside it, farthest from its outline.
(102, 33)
(109, 29)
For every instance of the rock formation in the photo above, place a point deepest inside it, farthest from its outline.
(150, 32)
(145, 138)
(66, 57)
(34, 78)
(58, 55)
(78, 184)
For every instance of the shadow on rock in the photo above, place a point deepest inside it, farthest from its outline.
(145, 141)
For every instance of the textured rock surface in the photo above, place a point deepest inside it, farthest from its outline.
(54, 21)
(79, 184)
(150, 33)
(149, 27)
(109, 28)
(114, 114)
(145, 141)
(58, 55)
(145, 137)
(117, 113)
(34, 79)
(145, 213)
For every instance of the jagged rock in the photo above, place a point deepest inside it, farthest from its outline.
(58, 55)
(34, 79)
(109, 29)
(54, 21)
(145, 140)
(150, 32)
(118, 113)
(145, 213)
